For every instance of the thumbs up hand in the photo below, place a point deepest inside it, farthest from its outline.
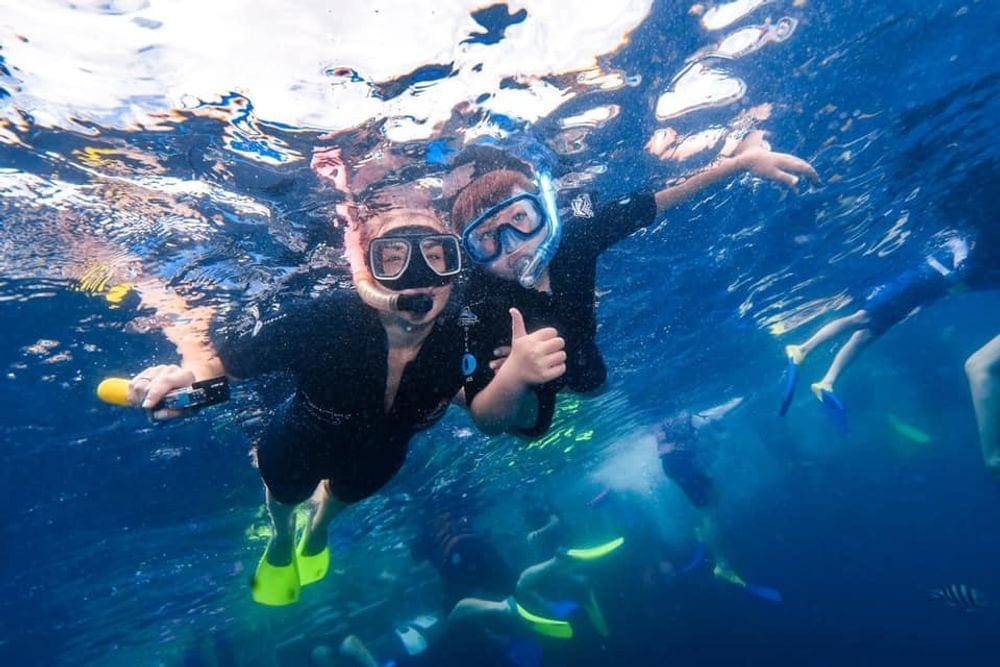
(535, 358)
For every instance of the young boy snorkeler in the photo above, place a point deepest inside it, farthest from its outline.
(525, 259)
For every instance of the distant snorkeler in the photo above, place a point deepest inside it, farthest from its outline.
(530, 255)
(957, 265)
(677, 439)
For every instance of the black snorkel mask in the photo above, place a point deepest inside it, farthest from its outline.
(414, 257)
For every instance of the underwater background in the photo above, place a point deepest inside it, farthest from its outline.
(173, 140)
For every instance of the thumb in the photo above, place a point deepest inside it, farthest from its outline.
(517, 324)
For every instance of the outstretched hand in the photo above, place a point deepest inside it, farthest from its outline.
(754, 154)
(534, 358)
(328, 165)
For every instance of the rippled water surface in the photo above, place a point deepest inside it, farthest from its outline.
(169, 142)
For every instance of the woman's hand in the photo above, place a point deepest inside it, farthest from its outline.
(500, 355)
(328, 165)
(754, 154)
(535, 358)
(148, 388)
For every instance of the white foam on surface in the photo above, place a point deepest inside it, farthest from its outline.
(119, 64)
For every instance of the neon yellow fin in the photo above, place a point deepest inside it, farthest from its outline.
(274, 585)
(312, 568)
(909, 431)
(726, 573)
(819, 387)
(795, 353)
(593, 553)
(549, 627)
(596, 616)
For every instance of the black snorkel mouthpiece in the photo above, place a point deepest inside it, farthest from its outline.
(418, 304)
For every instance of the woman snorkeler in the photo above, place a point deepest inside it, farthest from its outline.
(366, 381)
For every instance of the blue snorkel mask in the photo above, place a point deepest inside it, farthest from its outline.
(503, 228)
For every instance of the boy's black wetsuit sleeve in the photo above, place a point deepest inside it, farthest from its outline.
(615, 221)
(269, 337)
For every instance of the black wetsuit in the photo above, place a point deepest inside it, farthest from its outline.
(571, 307)
(677, 441)
(335, 425)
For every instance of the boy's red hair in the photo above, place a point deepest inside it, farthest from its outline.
(488, 190)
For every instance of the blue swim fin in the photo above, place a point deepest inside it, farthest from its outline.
(795, 357)
(698, 559)
(791, 379)
(563, 609)
(764, 592)
(834, 407)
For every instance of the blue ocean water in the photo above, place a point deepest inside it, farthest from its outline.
(129, 543)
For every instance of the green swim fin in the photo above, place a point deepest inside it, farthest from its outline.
(275, 585)
(312, 568)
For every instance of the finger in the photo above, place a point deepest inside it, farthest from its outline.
(164, 414)
(551, 346)
(779, 176)
(516, 324)
(165, 383)
(556, 359)
(796, 164)
(544, 334)
(790, 179)
(555, 372)
(139, 385)
(137, 389)
(502, 351)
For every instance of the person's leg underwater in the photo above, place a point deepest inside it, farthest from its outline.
(823, 389)
(983, 371)
(796, 354)
(276, 581)
(313, 552)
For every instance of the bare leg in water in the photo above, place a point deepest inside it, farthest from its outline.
(983, 371)
(831, 330)
(325, 508)
(858, 341)
(282, 544)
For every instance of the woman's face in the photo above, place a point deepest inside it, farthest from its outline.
(439, 294)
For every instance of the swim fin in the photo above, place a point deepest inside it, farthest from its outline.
(831, 402)
(698, 559)
(795, 357)
(726, 573)
(311, 568)
(764, 592)
(549, 627)
(275, 585)
(595, 615)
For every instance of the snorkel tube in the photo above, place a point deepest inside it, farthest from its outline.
(530, 271)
